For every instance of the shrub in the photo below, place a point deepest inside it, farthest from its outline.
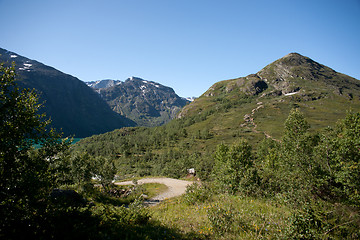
(233, 171)
(196, 193)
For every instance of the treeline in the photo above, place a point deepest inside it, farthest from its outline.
(167, 150)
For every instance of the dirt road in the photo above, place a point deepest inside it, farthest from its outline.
(175, 188)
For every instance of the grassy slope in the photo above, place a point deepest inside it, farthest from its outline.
(240, 218)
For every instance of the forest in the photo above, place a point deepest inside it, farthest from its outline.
(304, 186)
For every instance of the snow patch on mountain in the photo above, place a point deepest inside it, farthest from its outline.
(289, 94)
(190, 98)
(26, 66)
(103, 83)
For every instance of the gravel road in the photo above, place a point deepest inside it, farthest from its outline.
(175, 188)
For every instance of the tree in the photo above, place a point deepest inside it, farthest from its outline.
(27, 176)
(233, 170)
(296, 165)
(81, 169)
(105, 171)
(295, 126)
(338, 155)
(268, 155)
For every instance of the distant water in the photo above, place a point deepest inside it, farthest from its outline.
(75, 140)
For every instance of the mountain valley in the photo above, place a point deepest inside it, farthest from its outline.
(83, 109)
(273, 155)
(254, 108)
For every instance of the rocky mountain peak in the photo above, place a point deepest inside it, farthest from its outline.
(103, 83)
(293, 74)
(148, 103)
(294, 56)
(288, 73)
(296, 59)
(134, 79)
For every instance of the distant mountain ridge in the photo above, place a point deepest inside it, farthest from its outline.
(73, 107)
(145, 102)
(103, 83)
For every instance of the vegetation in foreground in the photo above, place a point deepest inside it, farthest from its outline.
(305, 186)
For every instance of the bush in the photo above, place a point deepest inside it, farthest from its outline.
(234, 169)
(196, 193)
(305, 224)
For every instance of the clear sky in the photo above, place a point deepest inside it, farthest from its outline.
(185, 44)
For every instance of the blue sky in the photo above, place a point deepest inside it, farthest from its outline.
(185, 44)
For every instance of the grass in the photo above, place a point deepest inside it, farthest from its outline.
(174, 213)
(149, 189)
(225, 217)
(153, 189)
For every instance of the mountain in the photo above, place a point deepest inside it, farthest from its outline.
(251, 107)
(72, 106)
(259, 103)
(145, 102)
(103, 83)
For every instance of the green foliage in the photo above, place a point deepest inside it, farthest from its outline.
(323, 220)
(233, 169)
(221, 219)
(305, 224)
(295, 126)
(323, 167)
(27, 175)
(347, 157)
(196, 193)
(104, 170)
(338, 155)
(134, 214)
(80, 169)
(226, 217)
(296, 163)
(268, 155)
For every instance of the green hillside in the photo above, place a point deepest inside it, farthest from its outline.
(251, 107)
(261, 102)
